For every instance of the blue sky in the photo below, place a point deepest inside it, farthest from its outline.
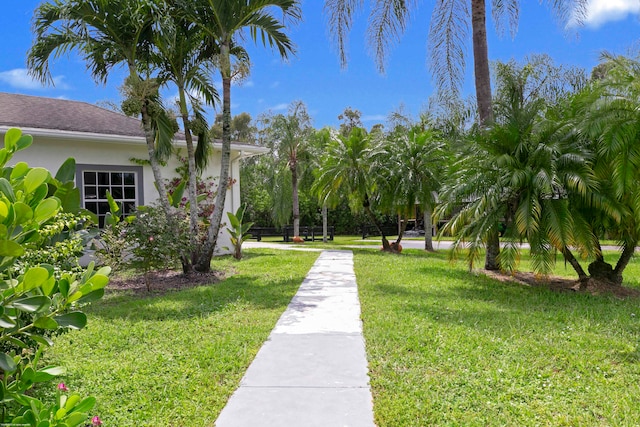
(314, 75)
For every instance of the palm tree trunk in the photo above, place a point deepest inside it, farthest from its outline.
(568, 256)
(206, 253)
(150, 139)
(155, 165)
(483, 99)
(325, 222)
(295, 199)
(404, 219)
(481, 61)
(192, 185)
(623, 261)
(366, 204)
(428, 226)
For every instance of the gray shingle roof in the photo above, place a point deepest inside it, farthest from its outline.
(59, 114)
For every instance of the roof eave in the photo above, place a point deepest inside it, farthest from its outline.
(245, 149)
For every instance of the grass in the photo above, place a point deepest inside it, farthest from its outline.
(449, 348)
(445, 346)
(174, 359)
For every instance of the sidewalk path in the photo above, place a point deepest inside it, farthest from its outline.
(312, 371)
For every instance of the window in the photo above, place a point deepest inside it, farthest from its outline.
(123, 182)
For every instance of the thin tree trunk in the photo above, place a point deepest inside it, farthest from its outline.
(366, 204)
(192, 185)
(204, 259)
(155, 165)
(625, 258)
(428, 226)
(295, 199)
(150, 139)
(403, 227)
(568, 256)
(325, 222)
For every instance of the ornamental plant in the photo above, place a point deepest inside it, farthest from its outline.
(34, 302)
(238, 231)
(153, 243)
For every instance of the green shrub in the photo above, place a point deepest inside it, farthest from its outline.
(153, 242)
(35, 302)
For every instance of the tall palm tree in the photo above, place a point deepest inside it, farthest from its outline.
(448, 36)
(107, 33)
(290, 136)
(348, 167)
(226, 23)
(183, 57)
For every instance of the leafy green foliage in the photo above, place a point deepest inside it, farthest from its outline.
(153, 242)
(238, 231)
(35, 302)
(67, 411)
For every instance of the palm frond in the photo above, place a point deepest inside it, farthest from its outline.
(448, 35)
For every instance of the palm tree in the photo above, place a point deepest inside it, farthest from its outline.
(520, 172)
(226, 23)
(347, 167)
(108, 33)
(607, 119)
(289, 135)
(447, 36)
(183, 57)
(412, 162)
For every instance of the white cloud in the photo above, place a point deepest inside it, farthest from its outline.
(20, 79)
(274, 85)
(600, 12)
(374, 118)
(280, 107)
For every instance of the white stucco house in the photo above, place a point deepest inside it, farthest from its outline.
(103, 142)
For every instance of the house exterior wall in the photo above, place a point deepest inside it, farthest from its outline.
(50, 153)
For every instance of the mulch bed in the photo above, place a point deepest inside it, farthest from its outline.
(162, 282)
(561, 284)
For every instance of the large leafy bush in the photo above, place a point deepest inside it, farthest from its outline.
(34, 301)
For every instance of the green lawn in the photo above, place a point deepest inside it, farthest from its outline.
(174, 360)
(447, 347)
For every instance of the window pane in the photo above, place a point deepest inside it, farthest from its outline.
(102, 192)
(91, 206)
(116, 192)
(116, 178)
(128, 207)
(103, 178)
(89, 178)
(90, 192)
(103, 208)
(129, 178)
(101, 221)
(130, 193)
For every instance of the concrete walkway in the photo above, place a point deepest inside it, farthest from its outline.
(312, 371)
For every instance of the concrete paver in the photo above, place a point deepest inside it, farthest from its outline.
(312, 371)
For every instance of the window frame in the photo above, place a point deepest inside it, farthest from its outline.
(137, 170)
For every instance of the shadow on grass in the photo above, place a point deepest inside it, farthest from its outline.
(483, 303)
(200, 301)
